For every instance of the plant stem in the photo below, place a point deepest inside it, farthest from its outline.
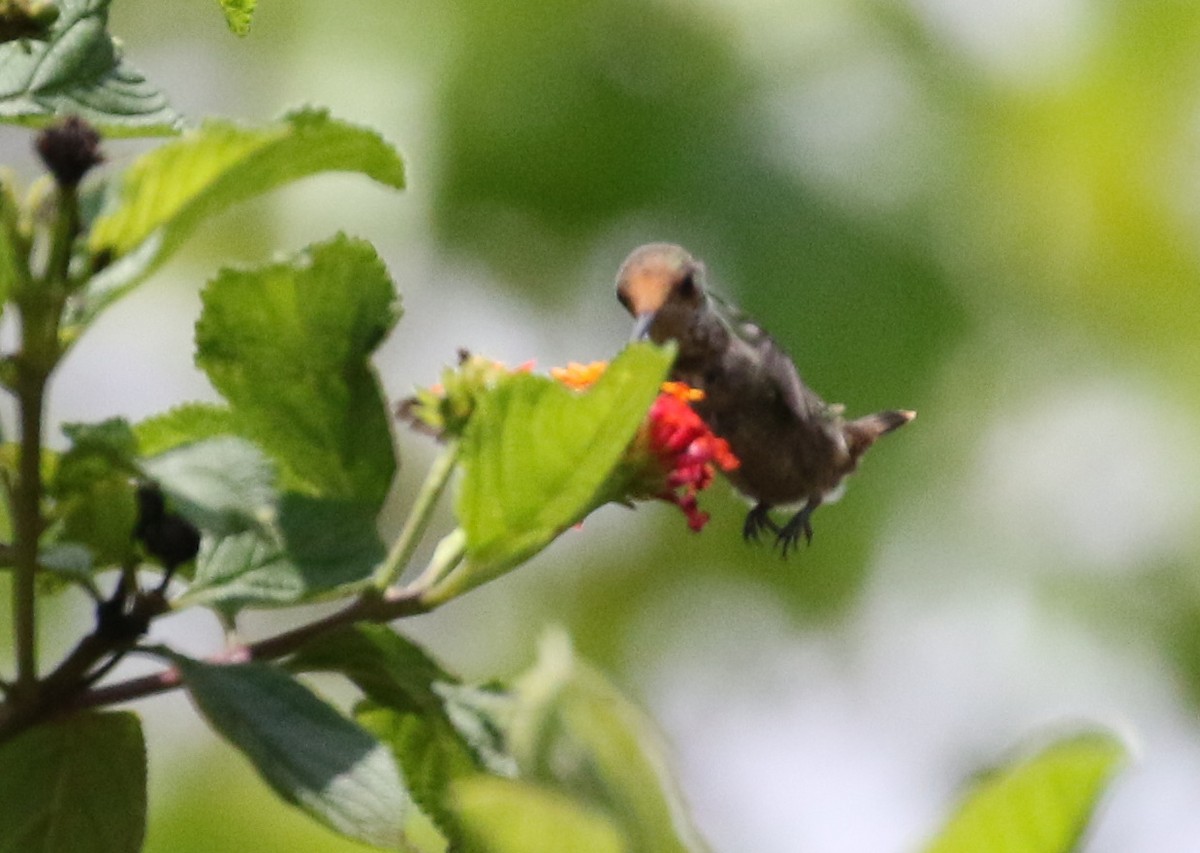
(393, 604)
(40, 307)
(446, 557)
(62, 241)
(418, 518)
(27, 522)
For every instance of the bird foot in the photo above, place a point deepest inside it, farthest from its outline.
(758, 519)
(788, 537)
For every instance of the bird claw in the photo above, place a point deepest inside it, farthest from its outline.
(757, 520)
(788, 537)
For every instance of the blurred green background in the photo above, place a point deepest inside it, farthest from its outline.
(988, 212)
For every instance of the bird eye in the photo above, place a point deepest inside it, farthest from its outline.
(624, 299)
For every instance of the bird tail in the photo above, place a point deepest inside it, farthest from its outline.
(862, 432)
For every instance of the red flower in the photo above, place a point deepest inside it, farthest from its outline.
(686, 448)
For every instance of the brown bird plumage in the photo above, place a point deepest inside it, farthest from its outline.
(794, 447)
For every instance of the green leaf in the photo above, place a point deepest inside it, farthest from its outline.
(245, 570)
(238, 14)
(395, 673)
(1038, 805)
(575, 732)
(316, 549)
(102, 517)
(406, 711)
(269, 550)
(538, 457)
(311, 755)
(77, 784)
(481, 715)
(388, 668)
(94, 489)
(181, 425)
(168, 192)
(109, 444)
(288, 345)
(223, 485)
(507, 816)
(67, 563)
(79, 69)
(429, 752)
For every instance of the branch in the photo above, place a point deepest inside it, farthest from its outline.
(119, 622)
(372, 607)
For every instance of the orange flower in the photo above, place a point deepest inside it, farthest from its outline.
(683, 391)
(578, 376)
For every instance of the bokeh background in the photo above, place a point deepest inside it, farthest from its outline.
(986, 211)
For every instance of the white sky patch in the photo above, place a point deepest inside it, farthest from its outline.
(1100, 470)
(1021, 40)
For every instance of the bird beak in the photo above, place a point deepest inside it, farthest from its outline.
(641, 326)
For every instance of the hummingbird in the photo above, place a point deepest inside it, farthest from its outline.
(795, 449)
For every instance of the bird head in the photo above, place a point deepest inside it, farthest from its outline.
(662, 286)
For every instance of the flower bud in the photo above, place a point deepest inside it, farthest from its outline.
(69, 149)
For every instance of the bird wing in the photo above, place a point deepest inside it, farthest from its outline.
(800, 399)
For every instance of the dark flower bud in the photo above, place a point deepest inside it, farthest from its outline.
(69, 149)
(166, 535)
(115, 622)
(152, 506)
(174, 540)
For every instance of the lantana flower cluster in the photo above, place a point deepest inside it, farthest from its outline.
(674, 455)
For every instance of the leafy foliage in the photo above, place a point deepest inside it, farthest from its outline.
(170, 191)
(572, 730)
(508, 816)
(78, 69)
(1040, 804)
(183, 425)
(538, 458)
(14, 268)
(311, 755)
(405, 709)
(288, 346)
(279, 489)
(92, 485)
(586, 758)
(238, 14)
(75, 784)
(224, 485)
(314, 548)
